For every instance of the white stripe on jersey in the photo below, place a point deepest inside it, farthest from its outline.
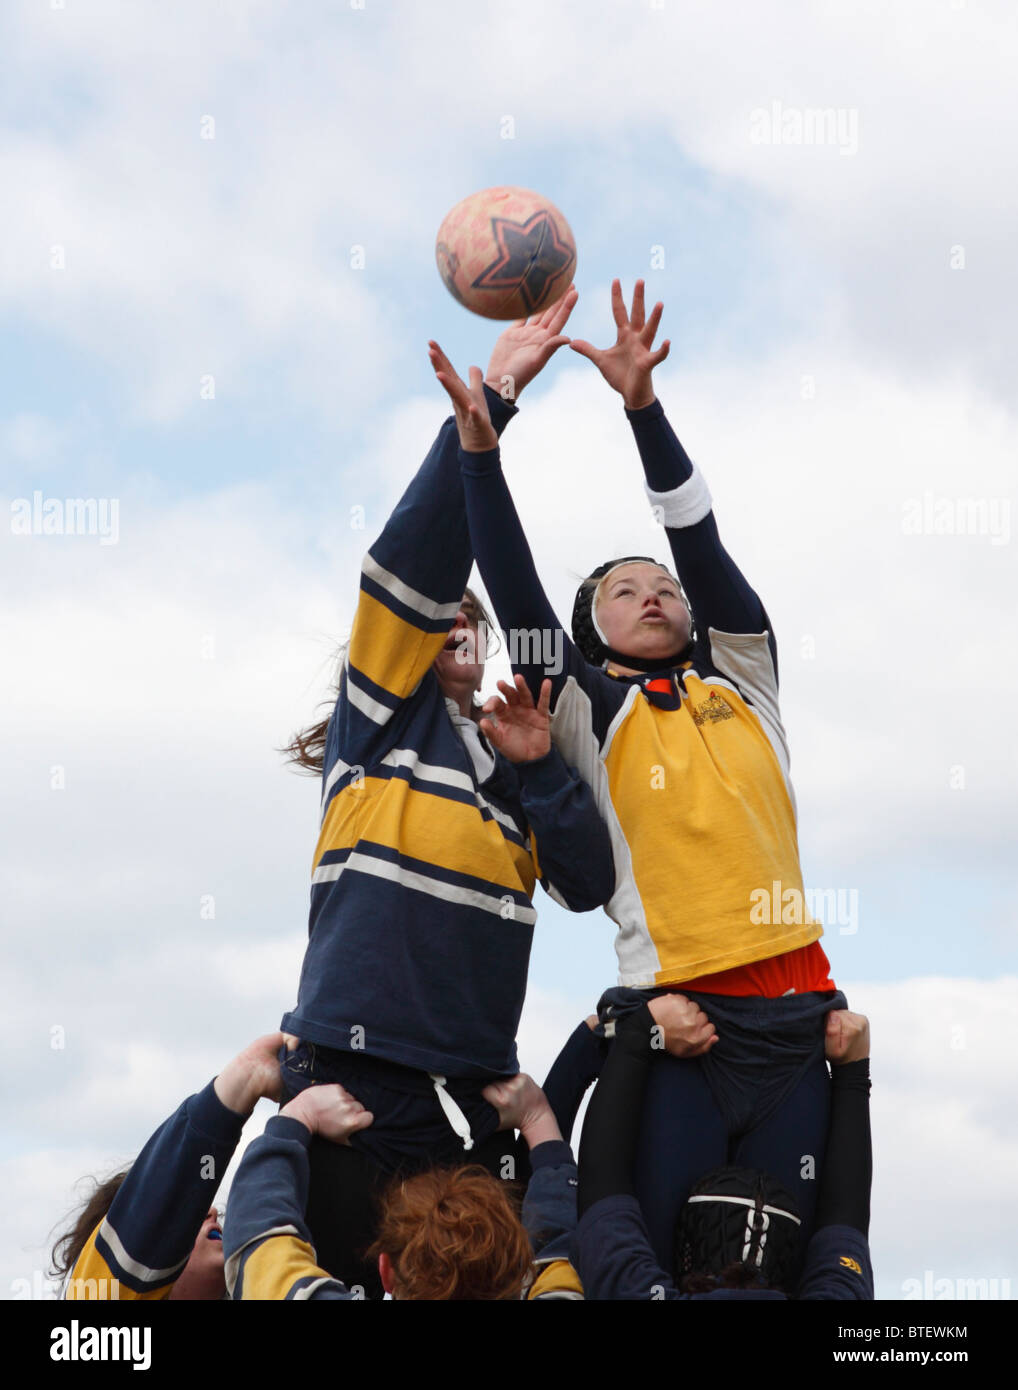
(409, 597)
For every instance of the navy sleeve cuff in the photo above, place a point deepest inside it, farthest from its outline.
(286, 1127)
(207, 1114)
(500, 410)
(481, 464)
(551, 1154)
(543, 777)
(654, 411)
(666, 465)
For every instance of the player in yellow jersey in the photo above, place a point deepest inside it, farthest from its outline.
(668, 708)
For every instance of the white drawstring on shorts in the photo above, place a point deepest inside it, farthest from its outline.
(455, 1116)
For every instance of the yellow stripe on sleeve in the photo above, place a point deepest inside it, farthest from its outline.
(390, 652)
(271, 1270)
(556, 1280)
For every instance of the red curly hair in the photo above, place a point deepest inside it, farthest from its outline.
(453, 1234)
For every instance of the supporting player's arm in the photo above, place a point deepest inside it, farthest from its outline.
(268, 1248)
(837, 1264)
(573, 1072)
(139, 1250)
(549, 1208)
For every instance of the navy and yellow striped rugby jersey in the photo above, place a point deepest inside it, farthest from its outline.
(421, 921)
(689, 765)
(139, 1249)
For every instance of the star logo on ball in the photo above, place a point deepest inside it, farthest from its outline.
(531, 256)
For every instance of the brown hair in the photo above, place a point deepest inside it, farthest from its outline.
(306, 750)
(69, 1246)
(453, 1234)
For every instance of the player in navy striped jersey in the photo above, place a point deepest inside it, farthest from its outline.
(430, 848)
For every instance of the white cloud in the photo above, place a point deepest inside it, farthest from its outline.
(945, 1141)
(30, 438)
(231, 256)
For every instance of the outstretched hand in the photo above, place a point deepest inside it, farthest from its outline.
(627, 366)
(477, 433)
(514, 725)
(524, 348)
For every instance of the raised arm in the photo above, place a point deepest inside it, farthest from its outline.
(539, 647)
(718, 592)
(411, 588)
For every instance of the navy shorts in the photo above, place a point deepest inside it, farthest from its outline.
(410, 1130)
(764, 1045)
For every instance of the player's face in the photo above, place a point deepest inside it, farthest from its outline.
(460, 663)
(641, 612)
(203, 1277)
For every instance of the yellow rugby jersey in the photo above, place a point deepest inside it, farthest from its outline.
(693, 785)
(689, 762)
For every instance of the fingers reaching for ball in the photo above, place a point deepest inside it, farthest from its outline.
(476, 432)
(627, 366)
(527, 346)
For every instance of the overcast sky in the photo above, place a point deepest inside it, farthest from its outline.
(217, 279)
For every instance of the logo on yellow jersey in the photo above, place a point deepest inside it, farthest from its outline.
(712, 710)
